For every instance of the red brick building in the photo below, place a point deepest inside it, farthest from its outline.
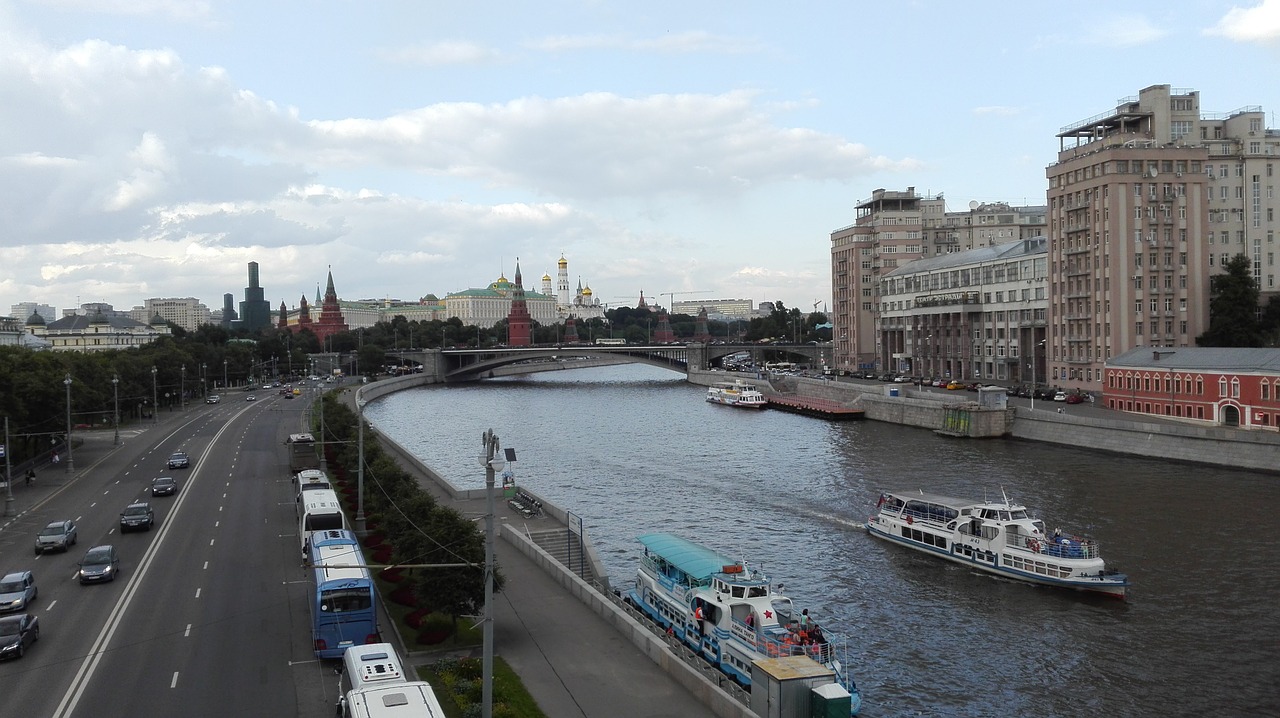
(1210, 385)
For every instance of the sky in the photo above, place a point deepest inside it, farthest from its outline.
(153, 148)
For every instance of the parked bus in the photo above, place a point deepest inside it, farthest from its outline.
(607, 342)
(318, 510)
(302, 452)
(343, 612)
(373, 685)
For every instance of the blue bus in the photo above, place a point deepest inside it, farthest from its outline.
(343, 612)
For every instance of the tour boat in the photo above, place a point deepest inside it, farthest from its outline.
(742, 618)
(998, 537)
(736, 393)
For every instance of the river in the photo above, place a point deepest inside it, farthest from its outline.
(634, 449)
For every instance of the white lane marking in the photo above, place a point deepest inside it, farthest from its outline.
(210, 542)
(187, 632)
(173, 683)
(51, 605)
(206, 566)
(215, 524)
(197, 593)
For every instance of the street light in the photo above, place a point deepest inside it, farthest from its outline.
(204, 373)
(70, 457)
(115, 393)
(1034, 347)
(493, 463)
(155, 397)
(224, 375)
(182, 387)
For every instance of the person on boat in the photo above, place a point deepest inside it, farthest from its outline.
(804, 620)
(751, 620)
(697, 616)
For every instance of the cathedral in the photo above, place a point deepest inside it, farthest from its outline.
(582, 305)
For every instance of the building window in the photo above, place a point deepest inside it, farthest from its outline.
(1222, 386)
(1235, 388)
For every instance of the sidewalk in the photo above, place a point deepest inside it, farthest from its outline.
(572, 661)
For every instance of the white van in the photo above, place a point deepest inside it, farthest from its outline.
(374, 664)
(309, 480)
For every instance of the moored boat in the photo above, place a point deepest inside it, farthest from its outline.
(997, 537)
(729, 613)
(736, 393)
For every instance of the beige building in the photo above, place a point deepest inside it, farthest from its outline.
(186, 312)
(716, 308)
(890, 230)
(95, 332)
(1146, 202)
(977, 314)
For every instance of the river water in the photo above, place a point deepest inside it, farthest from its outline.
(634, 449)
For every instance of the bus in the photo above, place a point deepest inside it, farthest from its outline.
(373, 685)
(780, 366)
(607, 342)
(343, 612)
(302, 452)
(318, 510)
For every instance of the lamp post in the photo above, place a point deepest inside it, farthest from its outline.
(182, 387)
(115, 393)
(155, 397)
(204, 375)
(493, 463)
(224, 375)
(1034, 350)
(70, 454)
(360, 521)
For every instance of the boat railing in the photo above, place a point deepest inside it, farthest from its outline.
(1060, 546)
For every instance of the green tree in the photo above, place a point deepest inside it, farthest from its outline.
(1233, 308)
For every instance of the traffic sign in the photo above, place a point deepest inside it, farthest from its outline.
(1, 451)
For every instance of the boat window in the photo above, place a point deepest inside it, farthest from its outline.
(738, 591)
(757, 591)
(1019, 514)
(1004, 515)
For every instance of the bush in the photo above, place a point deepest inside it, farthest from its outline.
(417, 618)
(405, 597)
(435, 629)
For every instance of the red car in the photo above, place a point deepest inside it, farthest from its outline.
(1075, 398)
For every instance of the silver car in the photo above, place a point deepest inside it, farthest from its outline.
(17, 590)
(57, 536)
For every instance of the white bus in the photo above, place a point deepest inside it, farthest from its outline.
(319, 511)
(373, 685)
(607, 342)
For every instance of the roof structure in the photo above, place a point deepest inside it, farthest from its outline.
(1216, 359)
(694, 560)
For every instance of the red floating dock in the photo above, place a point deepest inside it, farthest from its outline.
(813, 406)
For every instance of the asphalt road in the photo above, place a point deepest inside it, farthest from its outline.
(209, 614)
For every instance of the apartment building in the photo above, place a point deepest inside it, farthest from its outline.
(1146, 202)
(892, 229)
(977, 314)
(186, 312)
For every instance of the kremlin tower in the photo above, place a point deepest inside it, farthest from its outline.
(519, 323)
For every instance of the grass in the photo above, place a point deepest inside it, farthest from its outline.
(466, 637)
(458, 687)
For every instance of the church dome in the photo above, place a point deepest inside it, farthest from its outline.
(99, 318)
(546, 277)
(586, 291)
(35, 320)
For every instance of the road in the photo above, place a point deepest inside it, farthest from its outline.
(209, 614)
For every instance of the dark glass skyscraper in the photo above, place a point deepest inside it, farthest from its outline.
(255, 310)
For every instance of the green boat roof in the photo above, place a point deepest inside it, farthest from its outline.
(696, 561)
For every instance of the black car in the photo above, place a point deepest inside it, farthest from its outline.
(137, 516)
(179, 460)
(16, 633)
(100, 563)
(164, 486)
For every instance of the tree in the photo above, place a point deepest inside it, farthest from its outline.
(1233, 309)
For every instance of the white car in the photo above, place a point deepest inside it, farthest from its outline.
(1060, 396)
(251, 397)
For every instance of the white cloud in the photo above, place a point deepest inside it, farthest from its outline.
(1122, 31)
(1260, 23)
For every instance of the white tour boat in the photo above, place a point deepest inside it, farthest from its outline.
(998, 537)
(736, 393)
(728, 613)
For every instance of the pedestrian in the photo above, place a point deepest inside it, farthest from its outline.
(31, 476)
(55, 457)
(697, 617)
(804, 620)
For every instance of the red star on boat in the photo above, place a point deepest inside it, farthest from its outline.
(768, 613)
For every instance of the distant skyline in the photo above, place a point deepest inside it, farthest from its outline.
(152, 148)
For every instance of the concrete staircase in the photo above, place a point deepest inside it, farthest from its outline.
(563, 546)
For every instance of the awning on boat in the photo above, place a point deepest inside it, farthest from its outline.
(696, 561)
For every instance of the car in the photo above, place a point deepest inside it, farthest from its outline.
(137, 516)
(1060, 396)
(164, 486)
(251, 397)
(955, 385)
(1044, 393)
(213, 399)
(1075, 398)
(179, 460)
(100, 563)
(56, 536)
(17, 633)
(17, 590)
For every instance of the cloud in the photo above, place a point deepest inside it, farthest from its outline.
(443, 54)
(185, 10)
(1260, 23)
(1118, 31)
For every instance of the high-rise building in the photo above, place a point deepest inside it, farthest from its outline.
(24, 310)
(1146, 202)
(255, 310)
(229, 316)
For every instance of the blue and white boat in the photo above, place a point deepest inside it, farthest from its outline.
(997, 537)
(743, 620)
